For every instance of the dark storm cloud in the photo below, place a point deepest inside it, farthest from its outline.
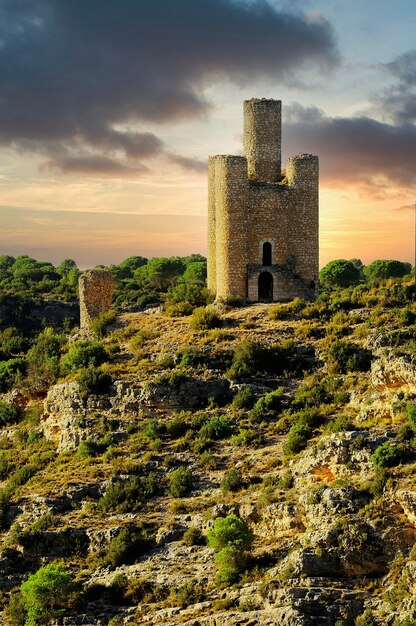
(357, 150)
(399, 100)
(72, 73)
(91, 164)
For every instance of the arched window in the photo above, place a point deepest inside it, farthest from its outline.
(267, 254)
(265, 287)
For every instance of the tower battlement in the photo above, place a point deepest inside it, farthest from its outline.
(262, 235)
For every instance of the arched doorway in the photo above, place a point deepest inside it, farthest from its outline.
(265, 287)
(267, 254)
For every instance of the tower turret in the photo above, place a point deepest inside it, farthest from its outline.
(263, 139)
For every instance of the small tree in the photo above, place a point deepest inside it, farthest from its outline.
(84, 353)
(339, 273)
(181, 483)
(382, 269)
(232, 539)
(230, 531)
(47, 593)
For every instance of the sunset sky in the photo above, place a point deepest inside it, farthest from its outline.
(110, 108)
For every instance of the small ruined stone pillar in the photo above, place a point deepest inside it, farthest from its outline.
(96, 289)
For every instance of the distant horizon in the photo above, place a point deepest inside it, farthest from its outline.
(57, 262)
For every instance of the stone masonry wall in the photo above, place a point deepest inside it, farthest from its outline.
(250, 205)
(96, 289)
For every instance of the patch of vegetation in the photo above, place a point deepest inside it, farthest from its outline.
(84, 353)
(181, 483)
(232, 539)
(232, 481)
(93, 380)
(204, 319)
(130, 495)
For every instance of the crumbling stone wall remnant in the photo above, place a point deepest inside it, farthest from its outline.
(263, 224)
(96, 289)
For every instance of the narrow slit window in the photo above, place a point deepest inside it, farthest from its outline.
(267, 254)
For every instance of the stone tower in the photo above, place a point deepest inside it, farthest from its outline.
(263, 224)
(96, 289)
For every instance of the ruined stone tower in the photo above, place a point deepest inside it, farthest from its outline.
(262, 225)
(96, 289)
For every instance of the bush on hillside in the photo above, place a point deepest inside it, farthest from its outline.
(232, 481)
(230, 531)
(125, 548)
(204, 319)
(251, 358)
(347, 357)
(47, 593)
(84, 353)
(217, 427)
(387, 455)
(43, 358)
(92, 380)
(9, 414)
(12, 372)
(181, 483)
(297, 438)
(129, 496)
(100, 324)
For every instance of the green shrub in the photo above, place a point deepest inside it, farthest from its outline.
(297, 438)
(411, 414)
(43, 358)
(16, 609)
(387, 455)
(268, 406)
(126, 547)
(11, 373)
(154, 430)
(347, 357)
(92, 380)
(47, 593)
(181, 483)
(172, 380)
(193, 537)
(231, 562)
(248, 437)
(244, 399)
(178, 309)
(285, 481)
(5, 465)
(177, 427)
(204, 319)
(216, 428)
(8, 413)
(232, 481)
(365, 619)
(232, 539)
(251, 358)
(230, 531)
(101, 323)
(84, 353)
(190, 593)
(340, 423)
(191, 358)
(89, 447)
(128, 496)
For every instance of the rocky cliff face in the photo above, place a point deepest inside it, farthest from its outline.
(333, 532)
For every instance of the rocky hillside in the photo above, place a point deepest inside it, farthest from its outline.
(243, 466)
